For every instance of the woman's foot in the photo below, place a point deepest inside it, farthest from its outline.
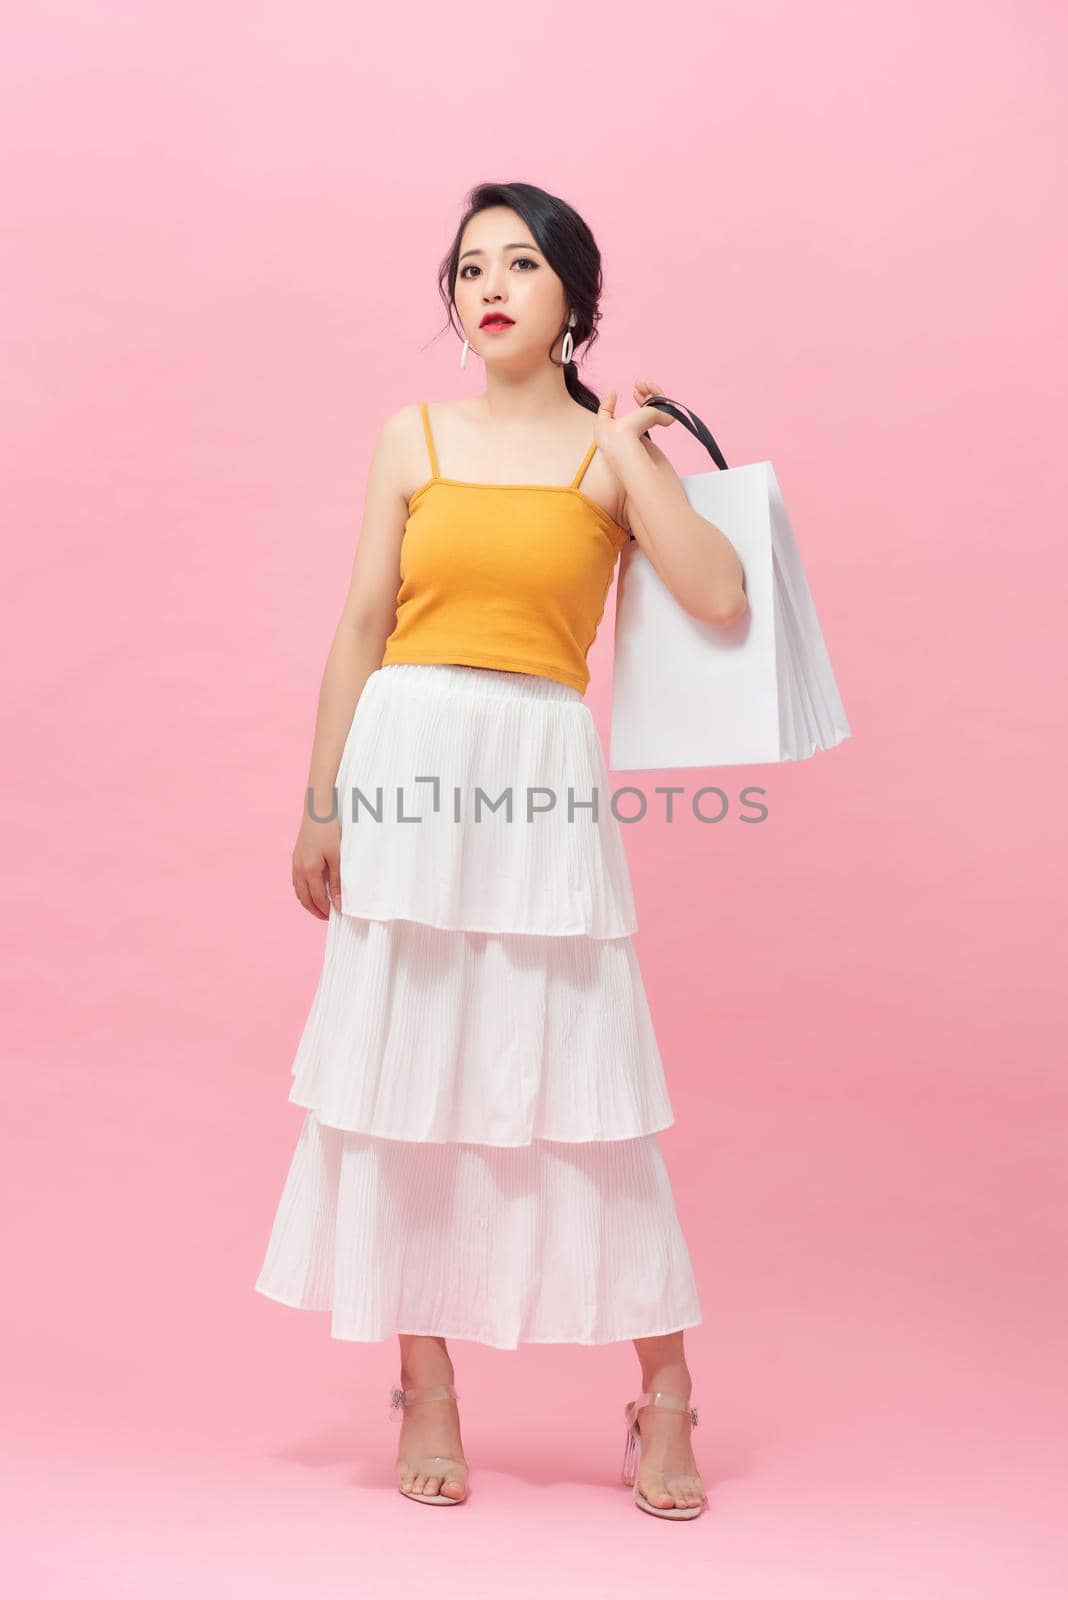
(667, 1471)
(430, 1428)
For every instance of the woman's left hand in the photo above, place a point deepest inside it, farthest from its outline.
(614, 433)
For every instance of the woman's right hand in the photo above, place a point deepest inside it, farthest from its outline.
(316, 866)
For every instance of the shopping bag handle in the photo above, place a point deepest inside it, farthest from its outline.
(675, 408)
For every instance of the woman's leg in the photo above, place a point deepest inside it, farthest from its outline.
(666, 1447)
(431, 1428)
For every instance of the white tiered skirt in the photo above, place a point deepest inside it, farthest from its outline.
(479, 1071)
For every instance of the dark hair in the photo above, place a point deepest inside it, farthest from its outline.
(568, 246)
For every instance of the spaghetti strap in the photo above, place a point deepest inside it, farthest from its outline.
(431, 452)
(587, 458)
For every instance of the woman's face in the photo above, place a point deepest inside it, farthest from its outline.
(502, 270)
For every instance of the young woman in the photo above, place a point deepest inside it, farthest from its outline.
(479, 1071)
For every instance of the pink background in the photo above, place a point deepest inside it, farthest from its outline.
(838, 233)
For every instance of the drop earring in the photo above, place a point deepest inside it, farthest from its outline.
(568, 346)
(463, 352)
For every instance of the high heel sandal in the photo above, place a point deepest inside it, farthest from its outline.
(632, 1452)
(443, 1467)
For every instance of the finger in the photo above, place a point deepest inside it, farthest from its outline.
(645, 389)
(608, 403)
(664, 419)
(318, 891)
(655, 412)
(304, 897)
(333, 869)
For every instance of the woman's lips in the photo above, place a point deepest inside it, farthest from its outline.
(496, 325)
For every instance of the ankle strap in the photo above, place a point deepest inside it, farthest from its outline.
(669, 1402)
(410, 1397)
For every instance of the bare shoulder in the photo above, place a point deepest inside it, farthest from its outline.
(404, 438)
(401, 426)
(399, 462)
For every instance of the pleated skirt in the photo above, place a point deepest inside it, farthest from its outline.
(479, 1071)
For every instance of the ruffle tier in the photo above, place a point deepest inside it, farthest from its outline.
(555, 1242)
(425, 743)
(479, 1072)
(420, 1033)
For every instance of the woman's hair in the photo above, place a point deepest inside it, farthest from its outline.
(568, 246)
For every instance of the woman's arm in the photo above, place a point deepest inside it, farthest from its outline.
(367, 619)
(693, 557)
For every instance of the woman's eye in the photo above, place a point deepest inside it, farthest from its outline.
(472, 267)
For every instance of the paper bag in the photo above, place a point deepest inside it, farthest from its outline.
(687, 694)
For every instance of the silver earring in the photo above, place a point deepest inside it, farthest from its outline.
(463, 352)
(568, 346)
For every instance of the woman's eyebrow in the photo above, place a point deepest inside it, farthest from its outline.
(503, 247)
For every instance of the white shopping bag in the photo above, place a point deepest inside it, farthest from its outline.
(686, 694)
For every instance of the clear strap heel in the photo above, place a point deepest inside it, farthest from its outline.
(443, 1467)
(632, 1452)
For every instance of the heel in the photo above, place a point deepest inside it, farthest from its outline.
(629, 1469)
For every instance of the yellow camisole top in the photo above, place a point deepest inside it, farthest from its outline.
(506, 575)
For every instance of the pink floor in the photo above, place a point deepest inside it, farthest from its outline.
(831, 1473)
(881, 1412)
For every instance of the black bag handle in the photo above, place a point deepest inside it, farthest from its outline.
(690, 420)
